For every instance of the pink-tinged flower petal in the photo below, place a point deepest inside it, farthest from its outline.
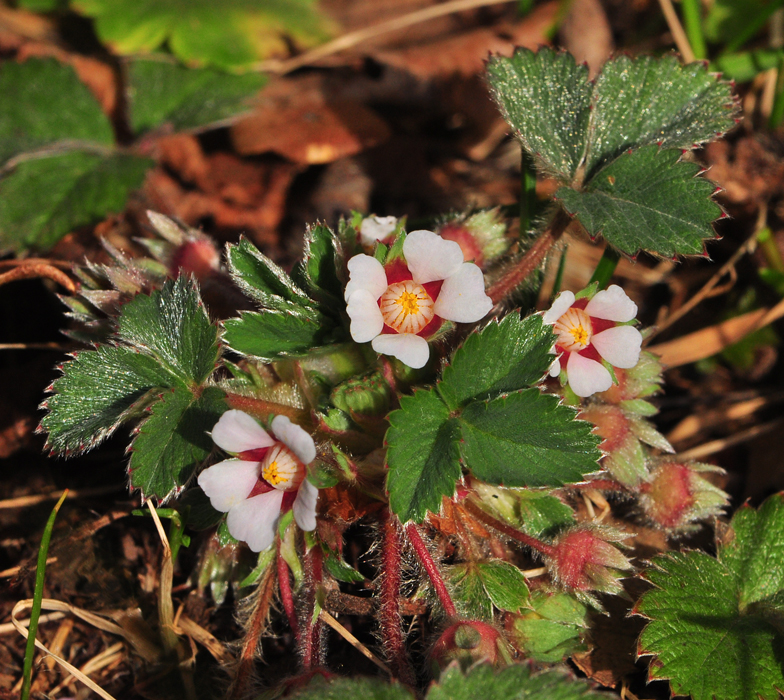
(295, 438)
(561, 305)
(236, 431)
(410, 349)
(586, 376)
(612, 304)
(430, 257)
(555, 368)
(462, 298)
(365, 272)
(253, 521)
(376, 228)
(228, 483)
(620, 346)
(366, 318)
(305, 506)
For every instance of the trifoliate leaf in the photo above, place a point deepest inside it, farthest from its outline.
(318, 271)
(99, 390)
(526, 439)
(340, 688)
(273, 335)
(422, 455)
(50, 105)
(43, 199)
(647, 199)
(163, 92)
(231, 35)
(502, 357)
(262, 280)
(174, 441)
(645, 101)
(172, 326)
(516, 682)
(545, 96)
(730, 609)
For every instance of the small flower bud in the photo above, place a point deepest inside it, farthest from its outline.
(199, 257)
(469, 642)
(637, 382)
(368, 395)
(481, 236)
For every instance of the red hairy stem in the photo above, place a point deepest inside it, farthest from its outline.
(286, 597)
(508, 530)
(600, 485)
(531, 260)
(389, 612)
(262, 409)
(432, 570)
(244, 680)
(311, 639)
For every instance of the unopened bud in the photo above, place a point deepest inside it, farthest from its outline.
(469, 642)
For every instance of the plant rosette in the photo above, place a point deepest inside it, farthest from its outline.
(267, 478)
(399, 306)
(590, 335)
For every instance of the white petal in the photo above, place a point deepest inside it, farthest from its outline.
(365, 272)
(228, 483)
(366, 318)
(254, 520)
(410, 349)
(561, 305)
(295, 438)
(555, 368)
(612, 304)
(462, 297)
(236, 431)
(620, 346)
(586, 376)
(305, 506)
(430, 257)
(374, 228)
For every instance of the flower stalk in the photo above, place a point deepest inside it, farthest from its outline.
(423, 554)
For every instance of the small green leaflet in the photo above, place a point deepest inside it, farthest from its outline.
(340, 688)
(730, 609)
(647, 199)
(319, 268)
(161, 91)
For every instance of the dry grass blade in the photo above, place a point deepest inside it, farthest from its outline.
(25, 501)
(709, 448)
(24, 272)
(324, 616)
(676, 29)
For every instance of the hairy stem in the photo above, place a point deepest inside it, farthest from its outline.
(508, 530)
(311, 638)
(389, 613)
(286, 597)
(423, 554)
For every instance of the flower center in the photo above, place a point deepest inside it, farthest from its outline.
(574, 330)
(406, 307)
(282, 469)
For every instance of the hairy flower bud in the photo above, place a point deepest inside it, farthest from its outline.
(469, 642)
(481, 236)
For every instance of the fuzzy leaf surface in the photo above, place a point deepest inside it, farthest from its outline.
(43, 199)
(545, 97)
(526, 439)
(160, 91)
(468, 593)
(319, 271)
(98, 390)
(647, 199)
(230, 35)
(172, 326)
(504, 356)
(515, 682)
(174, 441)
(505, 584)
(730, 608)
(422, 455)
(645, 101)
(50, 105)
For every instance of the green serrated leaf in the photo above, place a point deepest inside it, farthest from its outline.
(468, 592)
(43, 199)
(265, 282)
(337, 688)
(502, 357)
(272, 335)
(174, 441)
(537, 513)
(232, 35)
(319, 269)
(172, 326)
(645, 101)
(526, 439)
(50, 105)
(731, 609)
(647, 199)
(160, 91)
(422, 455)
(99, 390)
(505, 584)
(545, 96)
(516, 682)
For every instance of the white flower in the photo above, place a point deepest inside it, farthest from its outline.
(588, 333)
(376, 228)
(268, 477)
(398, 307)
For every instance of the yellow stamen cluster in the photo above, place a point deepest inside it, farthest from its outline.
(574, 330)
(406, 307)
(282, 469)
